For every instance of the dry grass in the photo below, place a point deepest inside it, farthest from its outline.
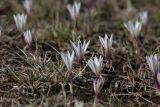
(40, 79)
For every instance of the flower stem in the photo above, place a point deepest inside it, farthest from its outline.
(108, 57)
(70, 80)
(70, 77)
(81, 63)
(96, 99)
(145, 29)
(71, 87)
(30, 47)
(22, 37)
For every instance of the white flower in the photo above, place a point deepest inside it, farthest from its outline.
(20, 20)
(144, 17)
(134, 29)
(28, 37)
(68, 60)
(97, 85)
(153, 63)
(74, 9)
(106, 42)
(80, 48)
(28, 5)
(96, 65)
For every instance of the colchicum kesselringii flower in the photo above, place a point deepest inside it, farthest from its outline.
(96, 65)
(144, 19)
(97, 86)
(20, 20)
(68, 60)
(106, 42)
(74, 9)
(28, 6)
(28, 39)
(80, 50)
(134, 30)
(153, 63)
